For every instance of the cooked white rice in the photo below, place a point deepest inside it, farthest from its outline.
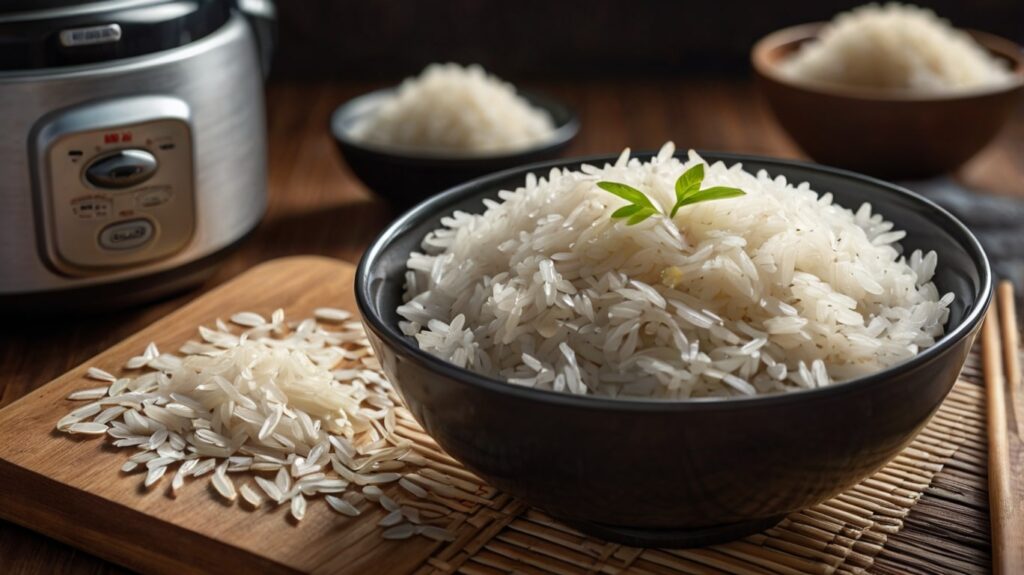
(777, 290)
(898, 47)
(449, 108)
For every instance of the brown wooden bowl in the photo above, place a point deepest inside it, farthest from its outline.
(884, 133)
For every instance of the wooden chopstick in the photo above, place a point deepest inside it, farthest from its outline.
(1011, 347)
(1007, 520)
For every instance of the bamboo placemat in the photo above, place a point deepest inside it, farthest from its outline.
(847, 534)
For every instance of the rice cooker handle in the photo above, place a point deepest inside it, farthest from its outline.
(262, 16)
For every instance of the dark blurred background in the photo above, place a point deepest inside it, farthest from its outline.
(382, 39)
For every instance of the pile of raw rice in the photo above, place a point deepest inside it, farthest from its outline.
(779, 289)
(897, 47)
(298, 408)
(449, 108)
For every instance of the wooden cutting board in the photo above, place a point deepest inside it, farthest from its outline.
(73, 490)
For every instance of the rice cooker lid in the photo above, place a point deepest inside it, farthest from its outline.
(39, 34)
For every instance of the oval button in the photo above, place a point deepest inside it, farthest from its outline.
(126, 235)
(121, 169)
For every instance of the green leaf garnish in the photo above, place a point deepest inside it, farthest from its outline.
(688, 192)
(626, 211)
(687, 185)
(715, 193)
(640, 206)
(628, 193)
(640, 216)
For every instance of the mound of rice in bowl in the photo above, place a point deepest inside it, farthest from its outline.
(454, 109)
(896, 47)
(775, 290)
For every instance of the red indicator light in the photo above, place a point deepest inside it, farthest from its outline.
(126, 136)
(110, 138)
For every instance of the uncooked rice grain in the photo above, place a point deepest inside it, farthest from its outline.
(250, 495)
(393, 518)
(298, 507)
(342, 506)
(298, 400)
(403, 531)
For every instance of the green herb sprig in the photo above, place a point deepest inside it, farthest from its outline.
(687, 192)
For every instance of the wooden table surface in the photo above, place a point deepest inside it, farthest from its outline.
(318, 207)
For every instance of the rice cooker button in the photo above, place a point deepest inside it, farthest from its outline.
(121, 169)
(91, 207)
(126, 235)
(151, 198)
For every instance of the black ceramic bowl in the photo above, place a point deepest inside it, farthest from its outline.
(406, 177)
(676, 473)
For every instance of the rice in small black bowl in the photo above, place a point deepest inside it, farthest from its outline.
(447, 126)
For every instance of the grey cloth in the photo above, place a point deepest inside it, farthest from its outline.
(998, 221)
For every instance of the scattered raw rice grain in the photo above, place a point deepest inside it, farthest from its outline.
(250, 496)
(372, 492)
(159, 462)
(388, 503)
(109, 414)
(330, 314)
(248, 319)
(92, 393)
(298, 507)
(223, 484)
(177, 482)
(393, 518)
(99, 375)
(412, 488)
(378, 478)
(341, 506)
(283, 481)
(203, 467)
(158, 438)
(137, 362)
(270, 488)
(154, 475)
(88, 428)
(403, 531)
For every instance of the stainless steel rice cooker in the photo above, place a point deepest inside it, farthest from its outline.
(132, 145)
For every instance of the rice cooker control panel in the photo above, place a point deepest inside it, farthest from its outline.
(115, 183)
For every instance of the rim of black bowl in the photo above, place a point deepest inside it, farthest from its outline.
(567, 125)
(439, 203)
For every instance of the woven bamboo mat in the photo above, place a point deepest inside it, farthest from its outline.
(847, 534)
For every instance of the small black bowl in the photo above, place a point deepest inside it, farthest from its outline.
(678, 473)
(406, 177)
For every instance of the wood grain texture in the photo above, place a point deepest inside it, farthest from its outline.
(1006, 503)
(73, 490)
(318, 207)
